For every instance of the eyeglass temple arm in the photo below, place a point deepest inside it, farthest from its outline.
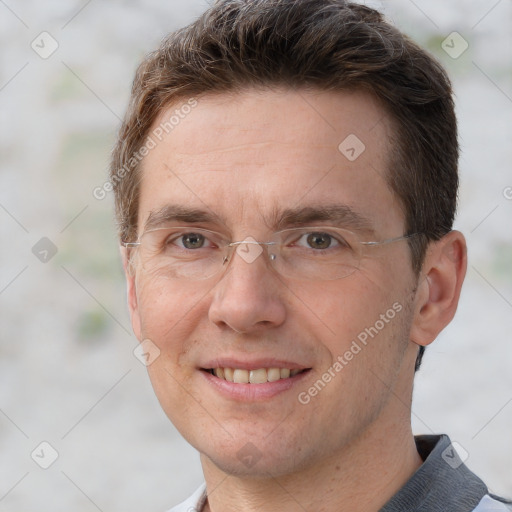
(130, 244)
(389, 240)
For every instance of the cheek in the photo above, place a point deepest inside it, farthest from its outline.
(368, 310)
(169, 314)
(342, 308)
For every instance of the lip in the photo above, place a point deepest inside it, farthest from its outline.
(253, 364)
(252, 392)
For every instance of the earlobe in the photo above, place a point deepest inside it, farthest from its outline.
(131, 289)
(439, 287)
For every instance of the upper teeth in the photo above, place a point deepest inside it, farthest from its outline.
(258, 376)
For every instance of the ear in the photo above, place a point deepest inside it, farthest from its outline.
(131, 288)
(439, 287)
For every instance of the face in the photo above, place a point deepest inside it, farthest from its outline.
(244, 165)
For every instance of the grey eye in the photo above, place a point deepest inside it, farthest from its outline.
(191, 240)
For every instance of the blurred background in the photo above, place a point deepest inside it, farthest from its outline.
(68, 375)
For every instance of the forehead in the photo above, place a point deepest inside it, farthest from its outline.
(248, 155)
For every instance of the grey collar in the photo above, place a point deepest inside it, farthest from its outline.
(442, 484)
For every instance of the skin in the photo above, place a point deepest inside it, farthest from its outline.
(244, 157)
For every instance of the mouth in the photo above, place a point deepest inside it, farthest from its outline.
(255, 376)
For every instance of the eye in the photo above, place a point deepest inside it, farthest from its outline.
(189, 240)
(181, 242)
(319, 240)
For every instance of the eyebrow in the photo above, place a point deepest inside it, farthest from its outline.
(178, 213)
(339, 215)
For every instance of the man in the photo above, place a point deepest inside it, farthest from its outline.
(286, 181)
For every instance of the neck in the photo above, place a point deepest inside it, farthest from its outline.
(363, 477)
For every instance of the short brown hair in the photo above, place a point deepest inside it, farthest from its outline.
(330, 45)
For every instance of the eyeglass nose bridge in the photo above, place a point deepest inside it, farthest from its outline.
(247, 255)
(253, 242)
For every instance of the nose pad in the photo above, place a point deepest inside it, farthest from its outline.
(249, 249)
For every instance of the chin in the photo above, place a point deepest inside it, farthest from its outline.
(256, 466)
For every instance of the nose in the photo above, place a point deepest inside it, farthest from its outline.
(249, 296)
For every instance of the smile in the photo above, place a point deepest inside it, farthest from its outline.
(257, 376)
